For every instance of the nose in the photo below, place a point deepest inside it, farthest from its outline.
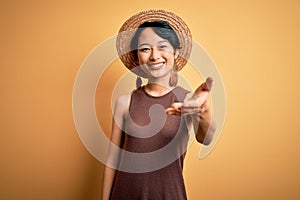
(154, 54)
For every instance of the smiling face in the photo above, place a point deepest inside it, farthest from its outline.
(156, 55)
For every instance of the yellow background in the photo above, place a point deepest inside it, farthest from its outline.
(255, 44)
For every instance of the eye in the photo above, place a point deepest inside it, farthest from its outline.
(163, 46)
(145, 49)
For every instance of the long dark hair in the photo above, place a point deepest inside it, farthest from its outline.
(161, 28)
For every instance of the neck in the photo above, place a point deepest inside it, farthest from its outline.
(162, 81)
(157, 88)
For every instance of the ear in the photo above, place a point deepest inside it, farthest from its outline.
(176, 54)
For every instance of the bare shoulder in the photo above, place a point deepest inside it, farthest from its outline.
(122, 104)
(123, 100)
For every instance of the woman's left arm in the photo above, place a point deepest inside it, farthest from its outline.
(197, 107)
(204, 125)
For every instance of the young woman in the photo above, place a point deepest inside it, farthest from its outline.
(153, 121)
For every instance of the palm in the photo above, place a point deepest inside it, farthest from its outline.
(194, 104)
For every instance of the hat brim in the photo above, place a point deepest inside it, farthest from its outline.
(130, 26)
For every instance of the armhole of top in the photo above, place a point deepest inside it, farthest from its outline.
(181, 93)
(126, 113)
(129, 104)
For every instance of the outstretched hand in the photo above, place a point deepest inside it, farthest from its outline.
(195, 104)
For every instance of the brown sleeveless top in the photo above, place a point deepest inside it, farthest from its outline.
(158, 143)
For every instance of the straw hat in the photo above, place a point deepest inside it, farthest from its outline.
(129, 28)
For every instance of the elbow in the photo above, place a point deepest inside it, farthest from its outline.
(206, 137)
(206, 140)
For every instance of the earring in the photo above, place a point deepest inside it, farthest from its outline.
(138, 82)
(174, 76)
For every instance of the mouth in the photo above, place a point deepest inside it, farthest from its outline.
(156, 66)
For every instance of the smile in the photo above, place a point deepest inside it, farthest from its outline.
(156, 66)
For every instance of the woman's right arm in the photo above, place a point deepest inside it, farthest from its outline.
(120, 111)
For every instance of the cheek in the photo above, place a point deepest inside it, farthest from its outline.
(142, 58)
(170, 58)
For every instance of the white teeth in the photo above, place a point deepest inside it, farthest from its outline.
(156, 65)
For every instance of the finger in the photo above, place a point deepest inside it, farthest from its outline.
(192, 103)
(209, 81)
(206, 86)
(176, 105)
(196, 102)
(172, 111)
(193, 110)
(190, 111)
(175, 109)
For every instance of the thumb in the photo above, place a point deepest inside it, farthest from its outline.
(206, 86)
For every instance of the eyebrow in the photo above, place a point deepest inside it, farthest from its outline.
(149, 44)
